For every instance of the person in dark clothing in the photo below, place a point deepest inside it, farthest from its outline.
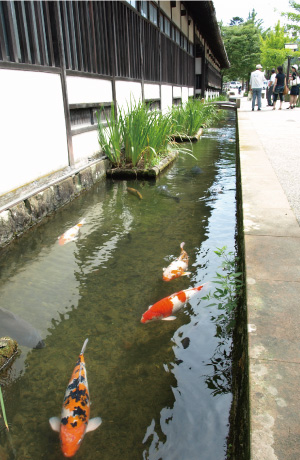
(279, 84)
(294, 87)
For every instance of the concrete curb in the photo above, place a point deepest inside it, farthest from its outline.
(272, 263)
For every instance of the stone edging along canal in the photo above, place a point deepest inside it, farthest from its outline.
(27, 211)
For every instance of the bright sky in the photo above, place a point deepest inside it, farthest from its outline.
(227, 9)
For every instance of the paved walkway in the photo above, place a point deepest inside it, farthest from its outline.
(270, 169)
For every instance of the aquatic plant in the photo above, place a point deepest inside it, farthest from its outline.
(228, 292)
(109, 137)
(188, 118)
(226, 296)
(3, 409)
(137, 134)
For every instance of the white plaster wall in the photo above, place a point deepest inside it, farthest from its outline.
(166, 7)
(33, 139)
(127, 92)
(88, 90)
(84, 146)
(185, 94)
(151, 91)
(176, 14)
(191, 31)
(177, 91)
(191, 91)
(184, 25)
(166, 98)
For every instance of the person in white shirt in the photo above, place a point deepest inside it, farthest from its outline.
(270, 87)
(256, 84)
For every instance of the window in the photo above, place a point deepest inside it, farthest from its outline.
(191, 49)
(161, 22)
(177, 37)
(133, 3)
(144, 9)
(153, 13)
(185, 44)
(167, 27)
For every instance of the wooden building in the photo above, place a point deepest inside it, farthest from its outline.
(60, 61)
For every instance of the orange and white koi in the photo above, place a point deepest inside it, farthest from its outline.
(74, 422)
(164, 308)
(177, 267)
(71, 234)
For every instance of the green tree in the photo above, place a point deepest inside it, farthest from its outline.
(242, 43)
(273, 52)
(294, 18)
(236, 21)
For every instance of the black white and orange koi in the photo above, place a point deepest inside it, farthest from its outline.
(74, 422)
(166, 307)
(178, 267)
(71, 234)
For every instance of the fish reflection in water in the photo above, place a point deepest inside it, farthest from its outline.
(20, 330)
(164, 190)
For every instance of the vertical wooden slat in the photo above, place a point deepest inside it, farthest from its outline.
(31, 34)
(49, 38)
(21, 21)
(83, 36)
(72, 39)
(88, 36)
(40, 32)
(3, 55)
(65, 31)
(12, 44)
(78, 36)
(92, 37)
(108, 48)
(128, 27)
(98, 41)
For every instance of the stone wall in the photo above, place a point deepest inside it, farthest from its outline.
(17, 219)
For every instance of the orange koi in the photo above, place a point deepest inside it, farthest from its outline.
(135, 192)
(74, 422)
(177, 267)
(71, 234)
(164, 308)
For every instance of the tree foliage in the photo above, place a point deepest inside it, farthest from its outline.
(242, 43)
(293, 18)
(273, 52)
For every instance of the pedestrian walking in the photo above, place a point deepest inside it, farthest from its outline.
(270, 88)
(256, 84)
(295, 83)
(280, 82)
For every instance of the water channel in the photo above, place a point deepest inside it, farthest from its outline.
(154, 385)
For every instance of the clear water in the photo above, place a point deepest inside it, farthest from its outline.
(161, 388)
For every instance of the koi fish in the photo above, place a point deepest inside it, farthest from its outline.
(71, 234)
(135, 192)
(164, 308)
(74, 422)
(177, 267)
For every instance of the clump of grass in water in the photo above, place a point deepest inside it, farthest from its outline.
(137, 134)
(109, 137)
(3, 409)
(188, 118)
